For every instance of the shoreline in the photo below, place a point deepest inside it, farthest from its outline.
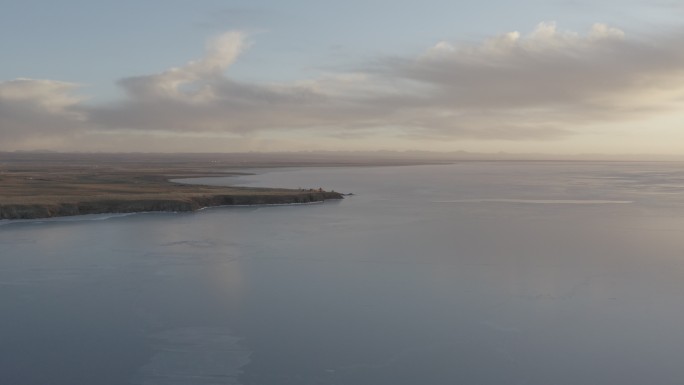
(181, 204)
(48, 186)
(106, 216)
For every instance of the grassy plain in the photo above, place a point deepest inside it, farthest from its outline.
(90, 183)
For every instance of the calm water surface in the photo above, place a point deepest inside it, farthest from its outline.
(473, 273)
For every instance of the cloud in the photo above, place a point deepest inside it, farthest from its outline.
(541, 85)
(548, 78)
(199, 74)
(546, 84)
(33, 109)
(199, 97)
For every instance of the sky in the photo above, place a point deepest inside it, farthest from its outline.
(530, 76)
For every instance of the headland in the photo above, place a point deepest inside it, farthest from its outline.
(51, 185)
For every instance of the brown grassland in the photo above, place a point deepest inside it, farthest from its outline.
(45, 185)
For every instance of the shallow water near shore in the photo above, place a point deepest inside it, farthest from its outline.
(472, 273)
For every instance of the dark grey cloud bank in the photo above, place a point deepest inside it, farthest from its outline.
(544, 85)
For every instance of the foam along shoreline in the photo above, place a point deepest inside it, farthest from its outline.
(179, 204)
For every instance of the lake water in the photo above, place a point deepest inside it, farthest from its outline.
(473, 273)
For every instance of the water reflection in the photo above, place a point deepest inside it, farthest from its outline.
(486, 273)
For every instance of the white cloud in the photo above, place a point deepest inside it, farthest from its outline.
(31, 108)
(549, 77)
(195, 80)
(542, 85)
(48, 95)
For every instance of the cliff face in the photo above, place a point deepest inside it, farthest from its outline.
(34, 211)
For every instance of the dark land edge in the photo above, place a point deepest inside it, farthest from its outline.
(184, 204)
